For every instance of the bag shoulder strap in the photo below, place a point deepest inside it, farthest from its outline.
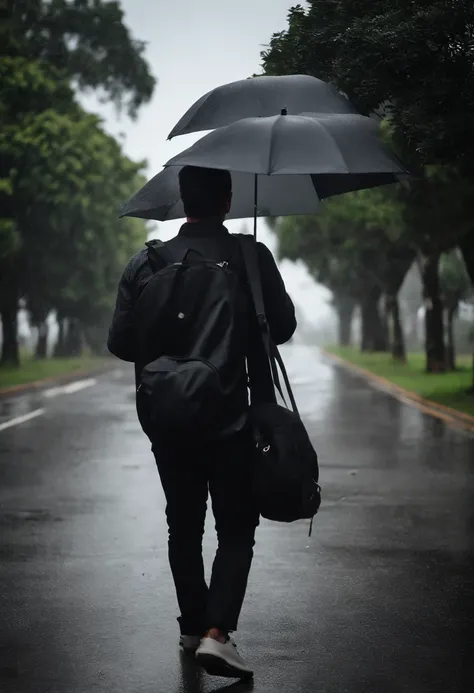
(249, 252)
(250, 255)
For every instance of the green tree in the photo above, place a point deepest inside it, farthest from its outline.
(87, 245)
(60, 194)
(42, 88)
(414, 61)
(45, 47)
(87, 297)
(413, 57)
(358, 248)
(303, 238)
(436, 213)
(86, 40)
(455, 286)
(466, 246)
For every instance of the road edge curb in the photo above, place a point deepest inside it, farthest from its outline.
(55, 380)
(450, 416)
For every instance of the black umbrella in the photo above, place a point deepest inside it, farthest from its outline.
(278, 196)
(340, 153)
(261, 97)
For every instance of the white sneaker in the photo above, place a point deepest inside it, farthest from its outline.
(189, 643)
(222, 659)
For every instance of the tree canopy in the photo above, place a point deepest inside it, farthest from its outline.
(412, 59)
(412, 63)
(87, 40)
(63, 177)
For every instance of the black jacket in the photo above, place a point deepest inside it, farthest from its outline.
(211, 240)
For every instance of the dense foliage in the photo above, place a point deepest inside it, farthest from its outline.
(412, 63)
(63, 177)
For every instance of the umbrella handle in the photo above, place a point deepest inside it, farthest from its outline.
(255, 206)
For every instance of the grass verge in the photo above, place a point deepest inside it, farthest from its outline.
(448, 389)
(31, 370)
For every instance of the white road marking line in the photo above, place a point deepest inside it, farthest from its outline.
(53, 392)
(69, 389)
(79, 385)
(21, 419)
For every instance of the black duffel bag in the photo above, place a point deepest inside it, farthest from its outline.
(286, 470)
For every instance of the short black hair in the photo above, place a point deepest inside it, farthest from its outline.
(204, 191)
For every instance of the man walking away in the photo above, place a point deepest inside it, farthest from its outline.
(184, 316)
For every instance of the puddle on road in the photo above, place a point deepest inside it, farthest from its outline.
(16, 517)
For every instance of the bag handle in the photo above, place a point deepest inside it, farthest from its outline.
(249, 251)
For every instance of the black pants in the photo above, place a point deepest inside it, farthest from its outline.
(223, 470)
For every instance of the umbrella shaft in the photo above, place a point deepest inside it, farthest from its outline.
(255, 207)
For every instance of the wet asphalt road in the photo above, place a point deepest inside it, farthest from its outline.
(379, 600)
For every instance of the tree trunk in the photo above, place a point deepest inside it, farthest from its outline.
(434, 344)
(345, 308)
(374, 336)
(60, 346)
(386, 325)
(41, 350)
(344, 330)
(399, 352)
(95, 338)
(467, 248)
(400, 261)
(73, 338)
(450, 344)
(9, 314)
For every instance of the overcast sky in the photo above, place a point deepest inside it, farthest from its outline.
(194, 46)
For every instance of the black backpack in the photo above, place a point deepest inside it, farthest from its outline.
(190, 321)
(287, 469)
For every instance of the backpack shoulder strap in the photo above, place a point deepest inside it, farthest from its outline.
(159, 255)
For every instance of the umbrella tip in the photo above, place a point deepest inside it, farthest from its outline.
(284, 111)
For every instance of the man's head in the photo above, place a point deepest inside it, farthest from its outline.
(206, 192)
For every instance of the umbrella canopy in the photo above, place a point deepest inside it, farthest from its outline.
(261, 97)
(342, 146)
(278, 196)
(301, 159)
